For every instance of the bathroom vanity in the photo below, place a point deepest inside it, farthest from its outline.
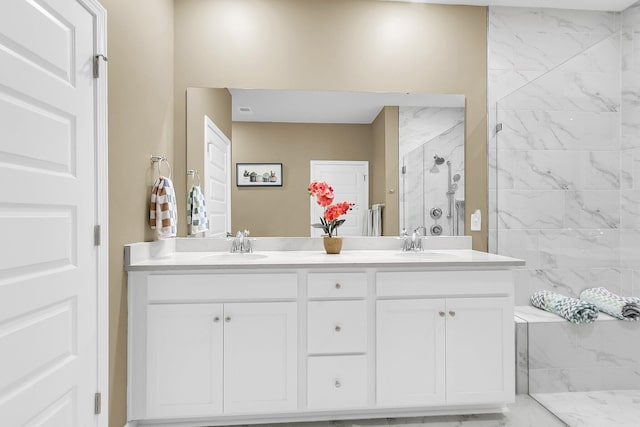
(273, 336)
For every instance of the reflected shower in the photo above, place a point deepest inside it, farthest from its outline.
(437, 161)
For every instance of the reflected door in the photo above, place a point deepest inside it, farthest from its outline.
(350, 182)
(217, 172)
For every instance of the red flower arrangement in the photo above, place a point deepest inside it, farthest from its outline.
(329, 222)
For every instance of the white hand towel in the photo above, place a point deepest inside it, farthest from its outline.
(163, 215)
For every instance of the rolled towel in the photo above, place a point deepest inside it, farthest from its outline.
(625, 308)
(572, 309)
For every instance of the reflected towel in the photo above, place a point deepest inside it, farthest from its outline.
(373, 222)
(197, 220)
(625, 308)
(572, 309)
(163, 216)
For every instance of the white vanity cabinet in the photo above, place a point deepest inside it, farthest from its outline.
(249, 344)
(213, 349)
(451, 350)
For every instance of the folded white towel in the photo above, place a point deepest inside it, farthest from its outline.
(163, 214)
(197, 220)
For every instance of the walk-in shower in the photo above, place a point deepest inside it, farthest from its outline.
(430, 140)
(564, 194)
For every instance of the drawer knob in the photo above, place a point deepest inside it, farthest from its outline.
(452, 313)
(216, 319)
(338, 286)
(227, 319)
(441, 313)
(338, 384)
(338, 328)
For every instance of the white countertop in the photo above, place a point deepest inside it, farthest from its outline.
(449, 258)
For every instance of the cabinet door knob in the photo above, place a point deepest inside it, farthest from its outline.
(452, 313)
(338, 384)
(338, 328)
(338, 286)
(441, 313)
(216, 319)
(227, 319)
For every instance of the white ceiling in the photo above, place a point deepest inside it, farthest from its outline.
(303, 106)
(612, 5)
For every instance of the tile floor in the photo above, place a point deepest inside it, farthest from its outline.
(619, 408)
(525, 412)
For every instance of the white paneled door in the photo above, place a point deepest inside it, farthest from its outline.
(52, 197)
(217, 186)
(350, 181)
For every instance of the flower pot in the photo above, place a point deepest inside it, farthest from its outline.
(332, 245)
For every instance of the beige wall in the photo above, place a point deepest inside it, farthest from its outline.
(390, 215)
(383, 181)
(140, 51)
(359, 45)
(284, 211)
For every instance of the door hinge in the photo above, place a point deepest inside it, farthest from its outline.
(97, 403)
(97, 235)
(96, 65)
(498, 127)
(404, 170)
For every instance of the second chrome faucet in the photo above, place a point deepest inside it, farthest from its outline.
(241, 243)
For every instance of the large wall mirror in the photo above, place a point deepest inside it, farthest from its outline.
(412, 144)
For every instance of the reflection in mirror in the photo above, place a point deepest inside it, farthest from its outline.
(297, 127)
(432, 170)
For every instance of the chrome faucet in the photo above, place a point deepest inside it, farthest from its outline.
(413, 242)
(241, 243)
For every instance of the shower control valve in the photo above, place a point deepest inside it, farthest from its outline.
(435, 213)
(436, 230)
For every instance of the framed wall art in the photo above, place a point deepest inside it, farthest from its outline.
(259, 174)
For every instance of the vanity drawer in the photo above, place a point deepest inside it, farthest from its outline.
(439, 283)
(337, 382)
(202, 287)
(337, 285)
(337, 327)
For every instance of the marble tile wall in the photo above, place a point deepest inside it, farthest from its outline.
(425, 132)
(600, 356)
(630, 150)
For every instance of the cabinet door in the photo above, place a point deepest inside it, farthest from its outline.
(410, 351)
(260, 357)
(184, 359)
(480, 352)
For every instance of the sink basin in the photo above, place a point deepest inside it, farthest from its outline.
(228, 256)
(425, 254)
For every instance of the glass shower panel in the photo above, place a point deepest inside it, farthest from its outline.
(560, 177)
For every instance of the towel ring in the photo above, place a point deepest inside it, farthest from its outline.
(158, 160)
(193, 174)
